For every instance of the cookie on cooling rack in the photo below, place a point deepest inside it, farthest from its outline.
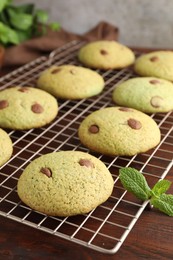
(155, 64)
(6, 147)
(26, 107)
(65, 183)
(106, 55)
(71, 82)
(119, 131)
(147, 94)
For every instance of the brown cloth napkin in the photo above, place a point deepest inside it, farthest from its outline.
(36, 47)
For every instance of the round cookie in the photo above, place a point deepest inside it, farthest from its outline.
(26, 107)
(71, 82)
(106, 55)
(65, 183)
(155, 64)
(119, 131)
(6, 147)
(147, 94)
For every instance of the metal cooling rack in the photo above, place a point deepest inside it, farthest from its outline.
(105, 228)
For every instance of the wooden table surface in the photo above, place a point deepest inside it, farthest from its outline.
(151, 238)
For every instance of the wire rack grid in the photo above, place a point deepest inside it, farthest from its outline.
(105, 228)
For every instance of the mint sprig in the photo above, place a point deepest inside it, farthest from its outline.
(19, 23)
(135, 182)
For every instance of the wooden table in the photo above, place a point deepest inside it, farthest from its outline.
(151, 238)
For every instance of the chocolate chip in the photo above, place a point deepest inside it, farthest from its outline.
(154, 81)
(46, 171)
(94, 129)
(3, 104)
(23, 89)
(156, 101)
(154, 58)
(125, 109)
(55, 71)
(86, 162)
(103, 52)
(134, 124)
(37, 108)
(73, 72)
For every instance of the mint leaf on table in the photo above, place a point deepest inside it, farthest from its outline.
(160, 187)
(135, 182)
(164, 203)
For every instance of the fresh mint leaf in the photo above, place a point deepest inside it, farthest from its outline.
(19, 20)
(19, 23)
(7, 35)
(24, 35)
(41, 16)
(164, 203)
(160, 187)
(135, 182)
(24, 8)
(3, 18)
(3, 4)
(54, 26)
